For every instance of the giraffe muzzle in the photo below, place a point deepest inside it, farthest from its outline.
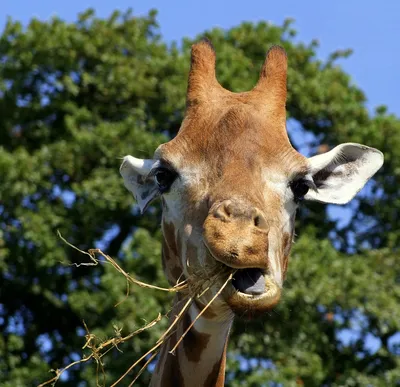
(237, 235)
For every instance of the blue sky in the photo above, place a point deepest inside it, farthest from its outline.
(369, 27)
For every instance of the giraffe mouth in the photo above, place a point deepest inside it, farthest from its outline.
(250, 281)
(255, 286)
(252, 293)
(252, 290)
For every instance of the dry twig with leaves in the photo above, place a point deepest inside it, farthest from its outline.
(192, 288)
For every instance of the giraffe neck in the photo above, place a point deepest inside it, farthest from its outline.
(200, 358)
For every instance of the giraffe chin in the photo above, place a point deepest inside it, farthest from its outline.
(249, 306)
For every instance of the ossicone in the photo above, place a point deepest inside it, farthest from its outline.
(271, 85)
(202, 79)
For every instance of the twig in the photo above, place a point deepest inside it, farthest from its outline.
(95, 350)
(93, 259)
(159, 342)
(92, 254)
(194, 287)
(201, 312)
(144, 367)
(177, 318)
(178, 287)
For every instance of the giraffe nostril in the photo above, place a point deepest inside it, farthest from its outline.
(259, 220)
(223, 211)
(228, 209)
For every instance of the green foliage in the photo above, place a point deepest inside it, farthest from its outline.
(76, 96)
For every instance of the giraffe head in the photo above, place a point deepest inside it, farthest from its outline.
(230, 183)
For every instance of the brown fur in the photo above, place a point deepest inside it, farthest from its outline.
(194, 342)
(169, 239)
(171, 372)
(171, 250)
(216, 378)
(286, 245)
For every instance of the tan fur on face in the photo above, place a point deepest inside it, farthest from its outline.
(222, 241)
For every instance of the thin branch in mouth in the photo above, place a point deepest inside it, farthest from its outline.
(192, 288)
(144, 367)
(202, 311)
(165, 336)
(93, 253)
(177, 318)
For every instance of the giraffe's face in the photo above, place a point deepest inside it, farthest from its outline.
(231, 199)
(230, 184)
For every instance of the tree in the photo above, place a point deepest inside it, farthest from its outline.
(76, 96)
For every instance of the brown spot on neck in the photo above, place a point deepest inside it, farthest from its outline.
(171, 265)
(169, 238)
(191, 252)
(171, 250)
(168, 372)
(194, 342)
(286, 246)
(216, 378)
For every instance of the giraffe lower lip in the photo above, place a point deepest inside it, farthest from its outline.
(246, 305)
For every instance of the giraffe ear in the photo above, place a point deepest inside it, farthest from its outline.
(342, 172)
(139, 181)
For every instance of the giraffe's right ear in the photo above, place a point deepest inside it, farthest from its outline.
(340, 173)
(139, 180)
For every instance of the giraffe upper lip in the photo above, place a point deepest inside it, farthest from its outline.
(238, 268)
(252, 287)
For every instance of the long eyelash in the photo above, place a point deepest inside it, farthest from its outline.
(153, 170)
(161, 164)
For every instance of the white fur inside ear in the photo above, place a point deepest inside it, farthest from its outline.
(142, 166)
(135, 173)
(342, 172)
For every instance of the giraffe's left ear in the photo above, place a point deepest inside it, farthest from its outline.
(342, 172)
(137, 180)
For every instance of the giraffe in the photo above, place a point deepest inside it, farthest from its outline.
(230, 183)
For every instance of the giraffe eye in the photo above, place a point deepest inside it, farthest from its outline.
(164, 178)
(299, 189)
